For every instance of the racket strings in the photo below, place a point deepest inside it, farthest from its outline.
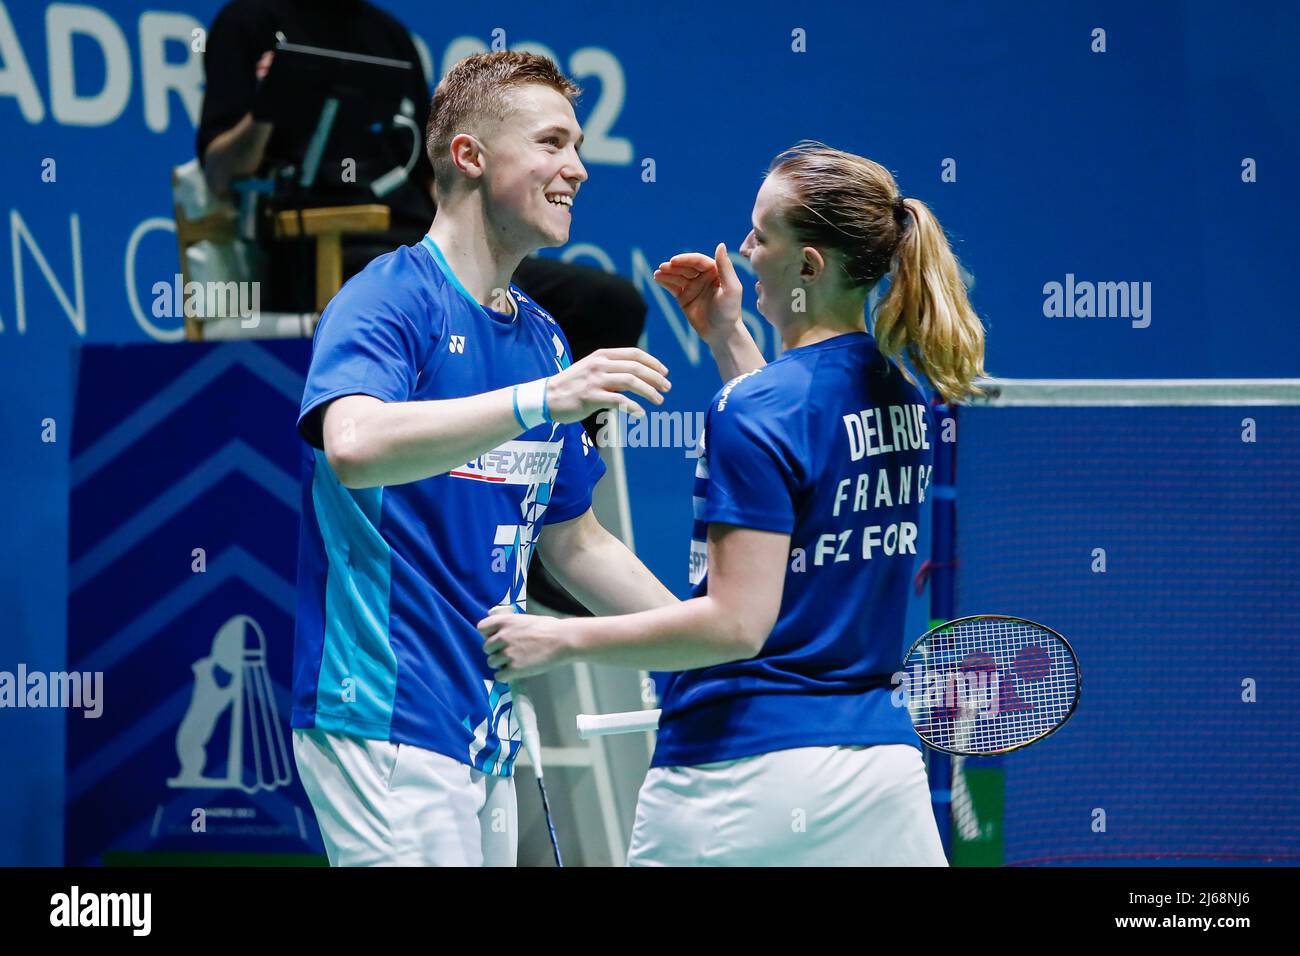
(988, 685)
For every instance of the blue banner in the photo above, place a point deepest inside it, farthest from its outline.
(183, 560)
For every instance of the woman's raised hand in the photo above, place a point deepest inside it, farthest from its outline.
(707, 290)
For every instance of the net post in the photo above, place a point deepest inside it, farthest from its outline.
(943, 547)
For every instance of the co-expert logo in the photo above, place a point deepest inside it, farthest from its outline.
(514, 463)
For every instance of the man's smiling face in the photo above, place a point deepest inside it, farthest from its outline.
(533, 171)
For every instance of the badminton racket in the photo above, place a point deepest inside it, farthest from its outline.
(976, 686)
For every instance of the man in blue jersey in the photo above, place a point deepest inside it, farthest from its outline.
(442, 410)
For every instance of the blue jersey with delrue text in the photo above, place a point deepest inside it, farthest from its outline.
(392, 580)
(830, 444)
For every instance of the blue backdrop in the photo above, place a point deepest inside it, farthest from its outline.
(1169, 758)
(1168, 158)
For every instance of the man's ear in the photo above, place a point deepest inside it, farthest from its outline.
(467, 155)
(813, 263)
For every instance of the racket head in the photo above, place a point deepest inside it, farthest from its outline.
(1002, 683)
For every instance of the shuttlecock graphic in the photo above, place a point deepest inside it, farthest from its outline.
(234, 678)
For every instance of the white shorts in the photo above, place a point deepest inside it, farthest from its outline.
(809, 806)
(385, 804)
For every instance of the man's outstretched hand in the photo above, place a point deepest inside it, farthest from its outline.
(604, 379)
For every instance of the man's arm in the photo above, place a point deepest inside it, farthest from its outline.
(370, 442)
(598, 569)
(730, 623)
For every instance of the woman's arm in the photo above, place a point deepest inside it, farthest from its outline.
(709, 294)
(730, 623)
(735, 351)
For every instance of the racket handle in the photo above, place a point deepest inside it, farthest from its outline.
(528, 725)
(630, 722)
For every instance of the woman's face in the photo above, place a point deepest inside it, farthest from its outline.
(776, 257)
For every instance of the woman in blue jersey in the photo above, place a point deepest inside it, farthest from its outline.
(780, 742)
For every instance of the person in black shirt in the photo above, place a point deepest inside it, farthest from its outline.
(595, 309)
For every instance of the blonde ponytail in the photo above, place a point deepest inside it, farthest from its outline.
(926, 312)
(849, 204)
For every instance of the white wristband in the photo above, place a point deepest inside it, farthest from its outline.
(530, 404)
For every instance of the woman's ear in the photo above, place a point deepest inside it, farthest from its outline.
(813, 264)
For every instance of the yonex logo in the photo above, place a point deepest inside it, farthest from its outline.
(457, 344)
